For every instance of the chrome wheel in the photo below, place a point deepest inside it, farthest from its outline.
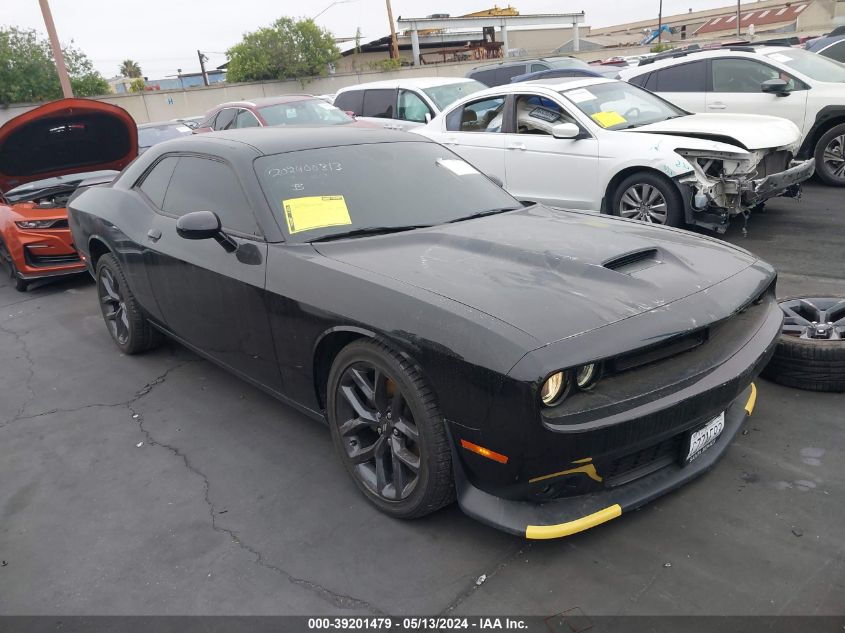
(820, 318)
(113, 306)
(378, 432)
(833, 159)
(643, 202)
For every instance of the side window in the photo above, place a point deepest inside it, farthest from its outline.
(536, 114)
(487, 77)
(683, 78)
(412, 107)
(246, 118)
(640, 80)
(835, 52)
(537, 68)
(224, 119)
(477, 116)
(204, 184)
(155, 182)
(379, 103)
(350, 101)
(743, 75)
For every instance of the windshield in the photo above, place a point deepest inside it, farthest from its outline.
(307, 112)
(617, 105)
(320, 192)
(444, 96)
(812, 65)
(149, 136)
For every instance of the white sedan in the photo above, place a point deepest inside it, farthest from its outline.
(597, 144)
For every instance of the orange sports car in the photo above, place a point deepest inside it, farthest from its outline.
(45, 155)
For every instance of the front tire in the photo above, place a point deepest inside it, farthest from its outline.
(388, 431)
(648, 198)
(830, 156)
(21, 285)
(128, 325)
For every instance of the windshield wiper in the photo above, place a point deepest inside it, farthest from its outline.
(370, 230)
(484, 213)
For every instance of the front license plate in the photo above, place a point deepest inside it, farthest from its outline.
(702, 439)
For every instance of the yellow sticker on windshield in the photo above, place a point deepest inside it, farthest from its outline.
(315, 212)
(608, 119)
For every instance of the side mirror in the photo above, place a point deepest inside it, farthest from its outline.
(203, 225)
(428, 117)
(566, 130)
(775, 86)
(350, 113)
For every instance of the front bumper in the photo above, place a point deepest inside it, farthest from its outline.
(762, 189)
(569, 515)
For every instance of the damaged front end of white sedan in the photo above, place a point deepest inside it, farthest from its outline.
(732, 173)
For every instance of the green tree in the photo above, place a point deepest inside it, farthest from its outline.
(130, 68)
(28, 72)
(137, 85)
(288, 49)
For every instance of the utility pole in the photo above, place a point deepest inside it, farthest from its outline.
(202, 67)
(660, 23)
(394, 43)
(64, 80)
(737, 17)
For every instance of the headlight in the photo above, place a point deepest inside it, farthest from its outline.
(586, 376)
(554, 389)
(36, 224)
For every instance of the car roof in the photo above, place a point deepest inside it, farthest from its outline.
(412, 82)
(522, 62)
(678, 57)
(555, 84)
(277, 140)
(265, 101)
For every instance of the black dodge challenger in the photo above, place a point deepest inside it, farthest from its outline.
(549, 369)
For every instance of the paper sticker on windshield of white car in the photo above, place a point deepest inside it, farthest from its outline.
(580, 95)
(608, 119)
(779, 57)
(315, 212)
(457, 167)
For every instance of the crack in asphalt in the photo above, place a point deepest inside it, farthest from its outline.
(337, 599)
(30, 371)
(517, 549)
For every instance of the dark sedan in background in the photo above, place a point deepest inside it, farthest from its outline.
(550, 369)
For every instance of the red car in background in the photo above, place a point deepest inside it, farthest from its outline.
(276, 111)
(45, 155)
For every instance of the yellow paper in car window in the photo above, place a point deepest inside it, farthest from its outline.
(608, 119)
(315, 212)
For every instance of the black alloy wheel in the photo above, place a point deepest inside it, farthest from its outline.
(388, 430)
(830, 156)
(810, 353)
(21, 285)
(127, 324)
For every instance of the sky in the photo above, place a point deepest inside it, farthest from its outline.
(164, 35)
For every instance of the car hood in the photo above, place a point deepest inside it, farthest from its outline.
(550, 273)
(749, 131)
(65, 137)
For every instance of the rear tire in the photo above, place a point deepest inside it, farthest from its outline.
(126, 322)
(830, 156)
(649, 198)
(383, 418)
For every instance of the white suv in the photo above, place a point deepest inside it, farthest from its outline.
(792, 83)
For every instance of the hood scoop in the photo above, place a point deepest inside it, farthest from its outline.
(633, 262)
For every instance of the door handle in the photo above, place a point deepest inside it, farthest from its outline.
(154, 235)
(519, 146)
(717, 106)
(450, 141)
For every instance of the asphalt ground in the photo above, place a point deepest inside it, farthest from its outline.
(160, 484)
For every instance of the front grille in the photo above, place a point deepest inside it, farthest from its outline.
(43, 261)
(643, 462)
